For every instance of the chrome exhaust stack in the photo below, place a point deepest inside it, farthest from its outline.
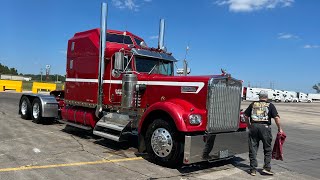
(161, 35)
(103, 28)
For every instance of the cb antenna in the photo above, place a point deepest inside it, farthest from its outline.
(185, 63)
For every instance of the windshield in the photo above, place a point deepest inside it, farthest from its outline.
(154, 66)
(118, 38)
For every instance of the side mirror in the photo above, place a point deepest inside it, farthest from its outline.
(119, 61)
(143, 44)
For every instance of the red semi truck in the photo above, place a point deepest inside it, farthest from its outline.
(116, 86)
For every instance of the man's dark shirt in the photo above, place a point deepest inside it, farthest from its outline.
(272, 112)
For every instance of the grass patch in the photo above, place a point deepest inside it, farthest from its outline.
(27, 85)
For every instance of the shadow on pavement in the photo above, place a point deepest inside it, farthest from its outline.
(215, 166)
(112, 147)
(120, 149)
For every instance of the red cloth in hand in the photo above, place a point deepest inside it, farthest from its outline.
(277, 152)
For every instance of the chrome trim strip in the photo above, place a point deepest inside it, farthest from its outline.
(200, 85)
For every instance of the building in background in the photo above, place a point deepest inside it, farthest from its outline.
(15, 77)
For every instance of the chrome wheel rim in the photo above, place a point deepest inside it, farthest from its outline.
(35, 110)
(24, 107)
(161, 142)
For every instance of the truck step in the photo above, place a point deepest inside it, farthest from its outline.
(106, 135)
(116, 127)
(75, 125)
(115, 118)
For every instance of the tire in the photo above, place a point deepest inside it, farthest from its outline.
(36, 113)
(172, 154)
(25, 108)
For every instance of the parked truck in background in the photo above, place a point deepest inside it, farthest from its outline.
(304, 97)
(252, 94)
(279, 96)
(117, 86)
(290, 96)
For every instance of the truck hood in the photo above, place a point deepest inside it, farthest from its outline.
(192, 89)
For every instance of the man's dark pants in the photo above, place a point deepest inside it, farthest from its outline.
(259, 132)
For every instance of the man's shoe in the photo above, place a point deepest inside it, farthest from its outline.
(253, 172)
(267, 172)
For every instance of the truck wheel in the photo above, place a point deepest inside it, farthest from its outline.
(164, 144)
(36, 111)
(25, 108)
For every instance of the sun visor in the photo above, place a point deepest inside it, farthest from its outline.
(153, 54)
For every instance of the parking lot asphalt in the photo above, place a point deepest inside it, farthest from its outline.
(35, 151)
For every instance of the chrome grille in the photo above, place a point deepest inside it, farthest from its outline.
(223, 105)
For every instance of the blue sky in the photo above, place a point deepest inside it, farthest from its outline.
(258, 41)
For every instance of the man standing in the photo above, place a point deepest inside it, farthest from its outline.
(260, 114)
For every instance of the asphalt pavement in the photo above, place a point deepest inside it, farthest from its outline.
(35, 151)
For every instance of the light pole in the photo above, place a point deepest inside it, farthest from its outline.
(41, 74)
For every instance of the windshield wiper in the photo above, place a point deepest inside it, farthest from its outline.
(152, 69)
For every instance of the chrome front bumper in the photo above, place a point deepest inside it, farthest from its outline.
(214, 146)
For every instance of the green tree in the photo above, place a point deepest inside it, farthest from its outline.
(6, 70)
(317, 87)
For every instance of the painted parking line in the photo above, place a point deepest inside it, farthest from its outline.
(69, 164)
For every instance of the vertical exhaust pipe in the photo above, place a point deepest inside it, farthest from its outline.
(104, 12)
(161, 34)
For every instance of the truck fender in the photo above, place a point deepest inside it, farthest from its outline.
(48, 103)
(177, 109)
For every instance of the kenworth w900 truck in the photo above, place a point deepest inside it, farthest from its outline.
(116, 86)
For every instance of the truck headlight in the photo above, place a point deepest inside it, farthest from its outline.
(195, 119)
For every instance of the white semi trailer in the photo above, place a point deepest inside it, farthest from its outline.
(314, 97)
(252, 94)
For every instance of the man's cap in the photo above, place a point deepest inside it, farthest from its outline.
(263, 94)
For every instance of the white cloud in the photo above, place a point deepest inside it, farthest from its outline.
(287, 36)
(154, 37)
(126, 4)
(309, 46)
(253, 5)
